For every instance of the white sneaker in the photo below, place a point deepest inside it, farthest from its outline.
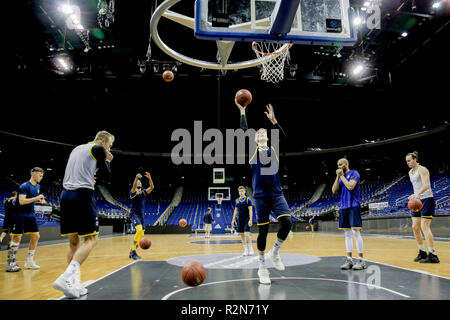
(67, 286)
(31, 265)
(263, 274)
(83, 291)
(276, 260)
(13, 267)
(251, 251)
(360, 265)
(245, 253)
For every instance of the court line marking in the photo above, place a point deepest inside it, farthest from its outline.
(167, 296)
(413, 270)
(89, 282)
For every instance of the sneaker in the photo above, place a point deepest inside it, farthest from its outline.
(276, 260)
(263, 274)
(67, 286)
(13, 267)
(133, 255)
(251, 251)
(360, 265)
(422, 255)
(31, 265)
(83, 291)
(431, 258)
(347, 265)
(245, 253)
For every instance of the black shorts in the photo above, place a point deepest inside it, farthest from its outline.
(137, 218)
(78, 213)
(23, 224)
(427, 211)
(6, 223)
(350, 218)
(242, 224)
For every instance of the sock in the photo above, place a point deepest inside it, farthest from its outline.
(245, 247)
(421, 247)
(350, 258)
(262, 262)
(30, 255)
(431, 250)
(12, 252)
(72, 269)
(277, 246)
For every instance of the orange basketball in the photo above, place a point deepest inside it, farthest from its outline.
(145, 243)
(182, 223)
(243, 97)
(168, 76)
(415, 205)
(193, 274)
(307, 227)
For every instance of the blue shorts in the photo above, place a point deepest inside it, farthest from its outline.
(428, 208)
(23, 223)
(277, 205)
(350, 218)
(242, 224)
(137, 218)
(78, 212)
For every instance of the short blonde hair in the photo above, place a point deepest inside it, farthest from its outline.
(104, 136)
(345, 161)
(241, 187)
(37, 169)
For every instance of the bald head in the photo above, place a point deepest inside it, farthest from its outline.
(343, 164)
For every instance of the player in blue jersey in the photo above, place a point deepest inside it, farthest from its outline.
(208, 220)
(10, 210)
(24, 221)
(349, 212)
(138, 196)
(267, 193)
(243, 220)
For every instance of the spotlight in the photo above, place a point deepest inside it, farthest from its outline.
(358, 69)
(404, 34)
(66, 8)
(357, 21)
(436, 4)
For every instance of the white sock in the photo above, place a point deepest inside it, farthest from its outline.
(431, 250)
(245, 247)
(277, 246)
(262, 262)
(421, 247)
(72, 269)
(30, 255)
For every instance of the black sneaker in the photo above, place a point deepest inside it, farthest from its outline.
(422, 255)
(431, 258)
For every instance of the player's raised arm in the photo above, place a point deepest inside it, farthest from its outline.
(243, 123)
(150, 181)
(270, 113)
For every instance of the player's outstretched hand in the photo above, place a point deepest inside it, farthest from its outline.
(270, 114)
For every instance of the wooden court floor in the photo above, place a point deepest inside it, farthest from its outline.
(111, 254)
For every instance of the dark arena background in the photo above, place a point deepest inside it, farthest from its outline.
(110, 78)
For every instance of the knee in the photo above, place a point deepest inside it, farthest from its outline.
(35, 237)
(286, 225)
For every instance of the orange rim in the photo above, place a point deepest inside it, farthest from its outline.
(277, 52)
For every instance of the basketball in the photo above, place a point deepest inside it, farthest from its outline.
(307, 227)
(415, 205)
(193, 274)
(168, 76)
(145, 243)
(183, 223)
(243, 97)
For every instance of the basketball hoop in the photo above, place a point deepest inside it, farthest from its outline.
(219, 199)
(272, 69)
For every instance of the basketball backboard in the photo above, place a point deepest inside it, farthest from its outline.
(315, 22)
(224, 192)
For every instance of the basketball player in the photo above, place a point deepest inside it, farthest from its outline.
(243, 211)
(137, 197)
(311, 221)
(349, 212)
(24, 221)
(79, 217)
(420, 179)
(208, 219)
(268, 195)
(10, 209)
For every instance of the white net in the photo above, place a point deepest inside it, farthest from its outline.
(272, 57)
